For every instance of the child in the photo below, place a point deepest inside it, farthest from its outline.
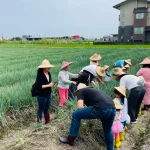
(64, 82)
(117, 126)
(120, 93)
(107, 74)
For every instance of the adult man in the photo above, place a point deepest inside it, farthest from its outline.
(99, 106)
(137, 92)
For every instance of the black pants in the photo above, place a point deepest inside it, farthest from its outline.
(86, 78)
(134, 102)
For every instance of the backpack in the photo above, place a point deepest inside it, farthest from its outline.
(34, 90)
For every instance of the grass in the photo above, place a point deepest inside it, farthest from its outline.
(18, 66)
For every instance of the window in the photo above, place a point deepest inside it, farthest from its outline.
(138, 30)
(122, 24)
(139, 15)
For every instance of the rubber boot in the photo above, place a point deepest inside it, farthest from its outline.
(125, 128)
(122, 134)
(47, 118)
(117, 141)
(140, 112)
(68, 140)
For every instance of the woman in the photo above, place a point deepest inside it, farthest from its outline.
(136, 95)
(99, 106)
(64, 82)
(44, 84)
(145, 72)
(89, 73)
(94, 59)
(122, 63)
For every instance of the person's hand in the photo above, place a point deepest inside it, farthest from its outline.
(73, 82)
(52, 84)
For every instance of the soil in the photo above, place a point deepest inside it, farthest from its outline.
(28, 137)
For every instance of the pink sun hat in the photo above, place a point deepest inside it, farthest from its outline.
(145, 61)
(65, 64)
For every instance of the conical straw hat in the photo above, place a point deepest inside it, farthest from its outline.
(95, 57)
(106, 67)
(146, 61)
(127, 66)
(100, 71)
(45, 64)
(79, 87)
(121, 89)
(128, 61)
(117, 104)
(117, 71)
(65, 64)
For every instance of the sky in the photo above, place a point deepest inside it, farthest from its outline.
(47, 18)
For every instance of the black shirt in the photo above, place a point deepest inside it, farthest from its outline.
(96, 98)
(42, 80)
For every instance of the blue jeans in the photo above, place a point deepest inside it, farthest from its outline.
(43, 106)
(72, 89)
(106, 116)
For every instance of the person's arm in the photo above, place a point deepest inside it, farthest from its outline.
(64, 80)
(139, 73)
(73, 75)
(80, 104)
(99, 80)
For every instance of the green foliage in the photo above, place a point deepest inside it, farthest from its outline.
(18, 66)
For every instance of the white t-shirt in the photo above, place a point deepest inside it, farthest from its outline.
(129, 81)
(124, 111)
(91, 69)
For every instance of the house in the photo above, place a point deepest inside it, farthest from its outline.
(30, 38)
(114, 37)
(134, 21)
(76, 37)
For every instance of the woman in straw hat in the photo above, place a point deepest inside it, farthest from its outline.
(137, 92)
(99, 106)
(44, 84)
(94, 59)
(145, 73)
(89, 73)
(117, 126)
(64, 82)
(107, 74)
(122, 63)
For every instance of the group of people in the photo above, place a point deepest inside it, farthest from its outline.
(94, 103)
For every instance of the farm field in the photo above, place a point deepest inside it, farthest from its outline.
(18, 66)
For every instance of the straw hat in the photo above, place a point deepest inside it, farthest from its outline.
(100, 71)
(95, 57)
(145, 61)
(128, 61)
(126, 66)
(65, 64)
(117, 104)
(45, 64)
(79, 87)
(106, 67)
(121, 89)
(117, 71)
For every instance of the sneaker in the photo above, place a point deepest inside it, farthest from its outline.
(133, 122)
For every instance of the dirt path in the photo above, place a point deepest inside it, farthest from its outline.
(30, 138)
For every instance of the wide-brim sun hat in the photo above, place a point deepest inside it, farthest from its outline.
(79, 87)
(117, 71)
(45, 64)
(106, 67)
(100, 71)
(127, 66)
(128, 61)
(117, 103)
(65, 64)
(95, 57)
(146, 61)
(122, 90)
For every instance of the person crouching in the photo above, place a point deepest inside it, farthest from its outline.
(99, 106)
